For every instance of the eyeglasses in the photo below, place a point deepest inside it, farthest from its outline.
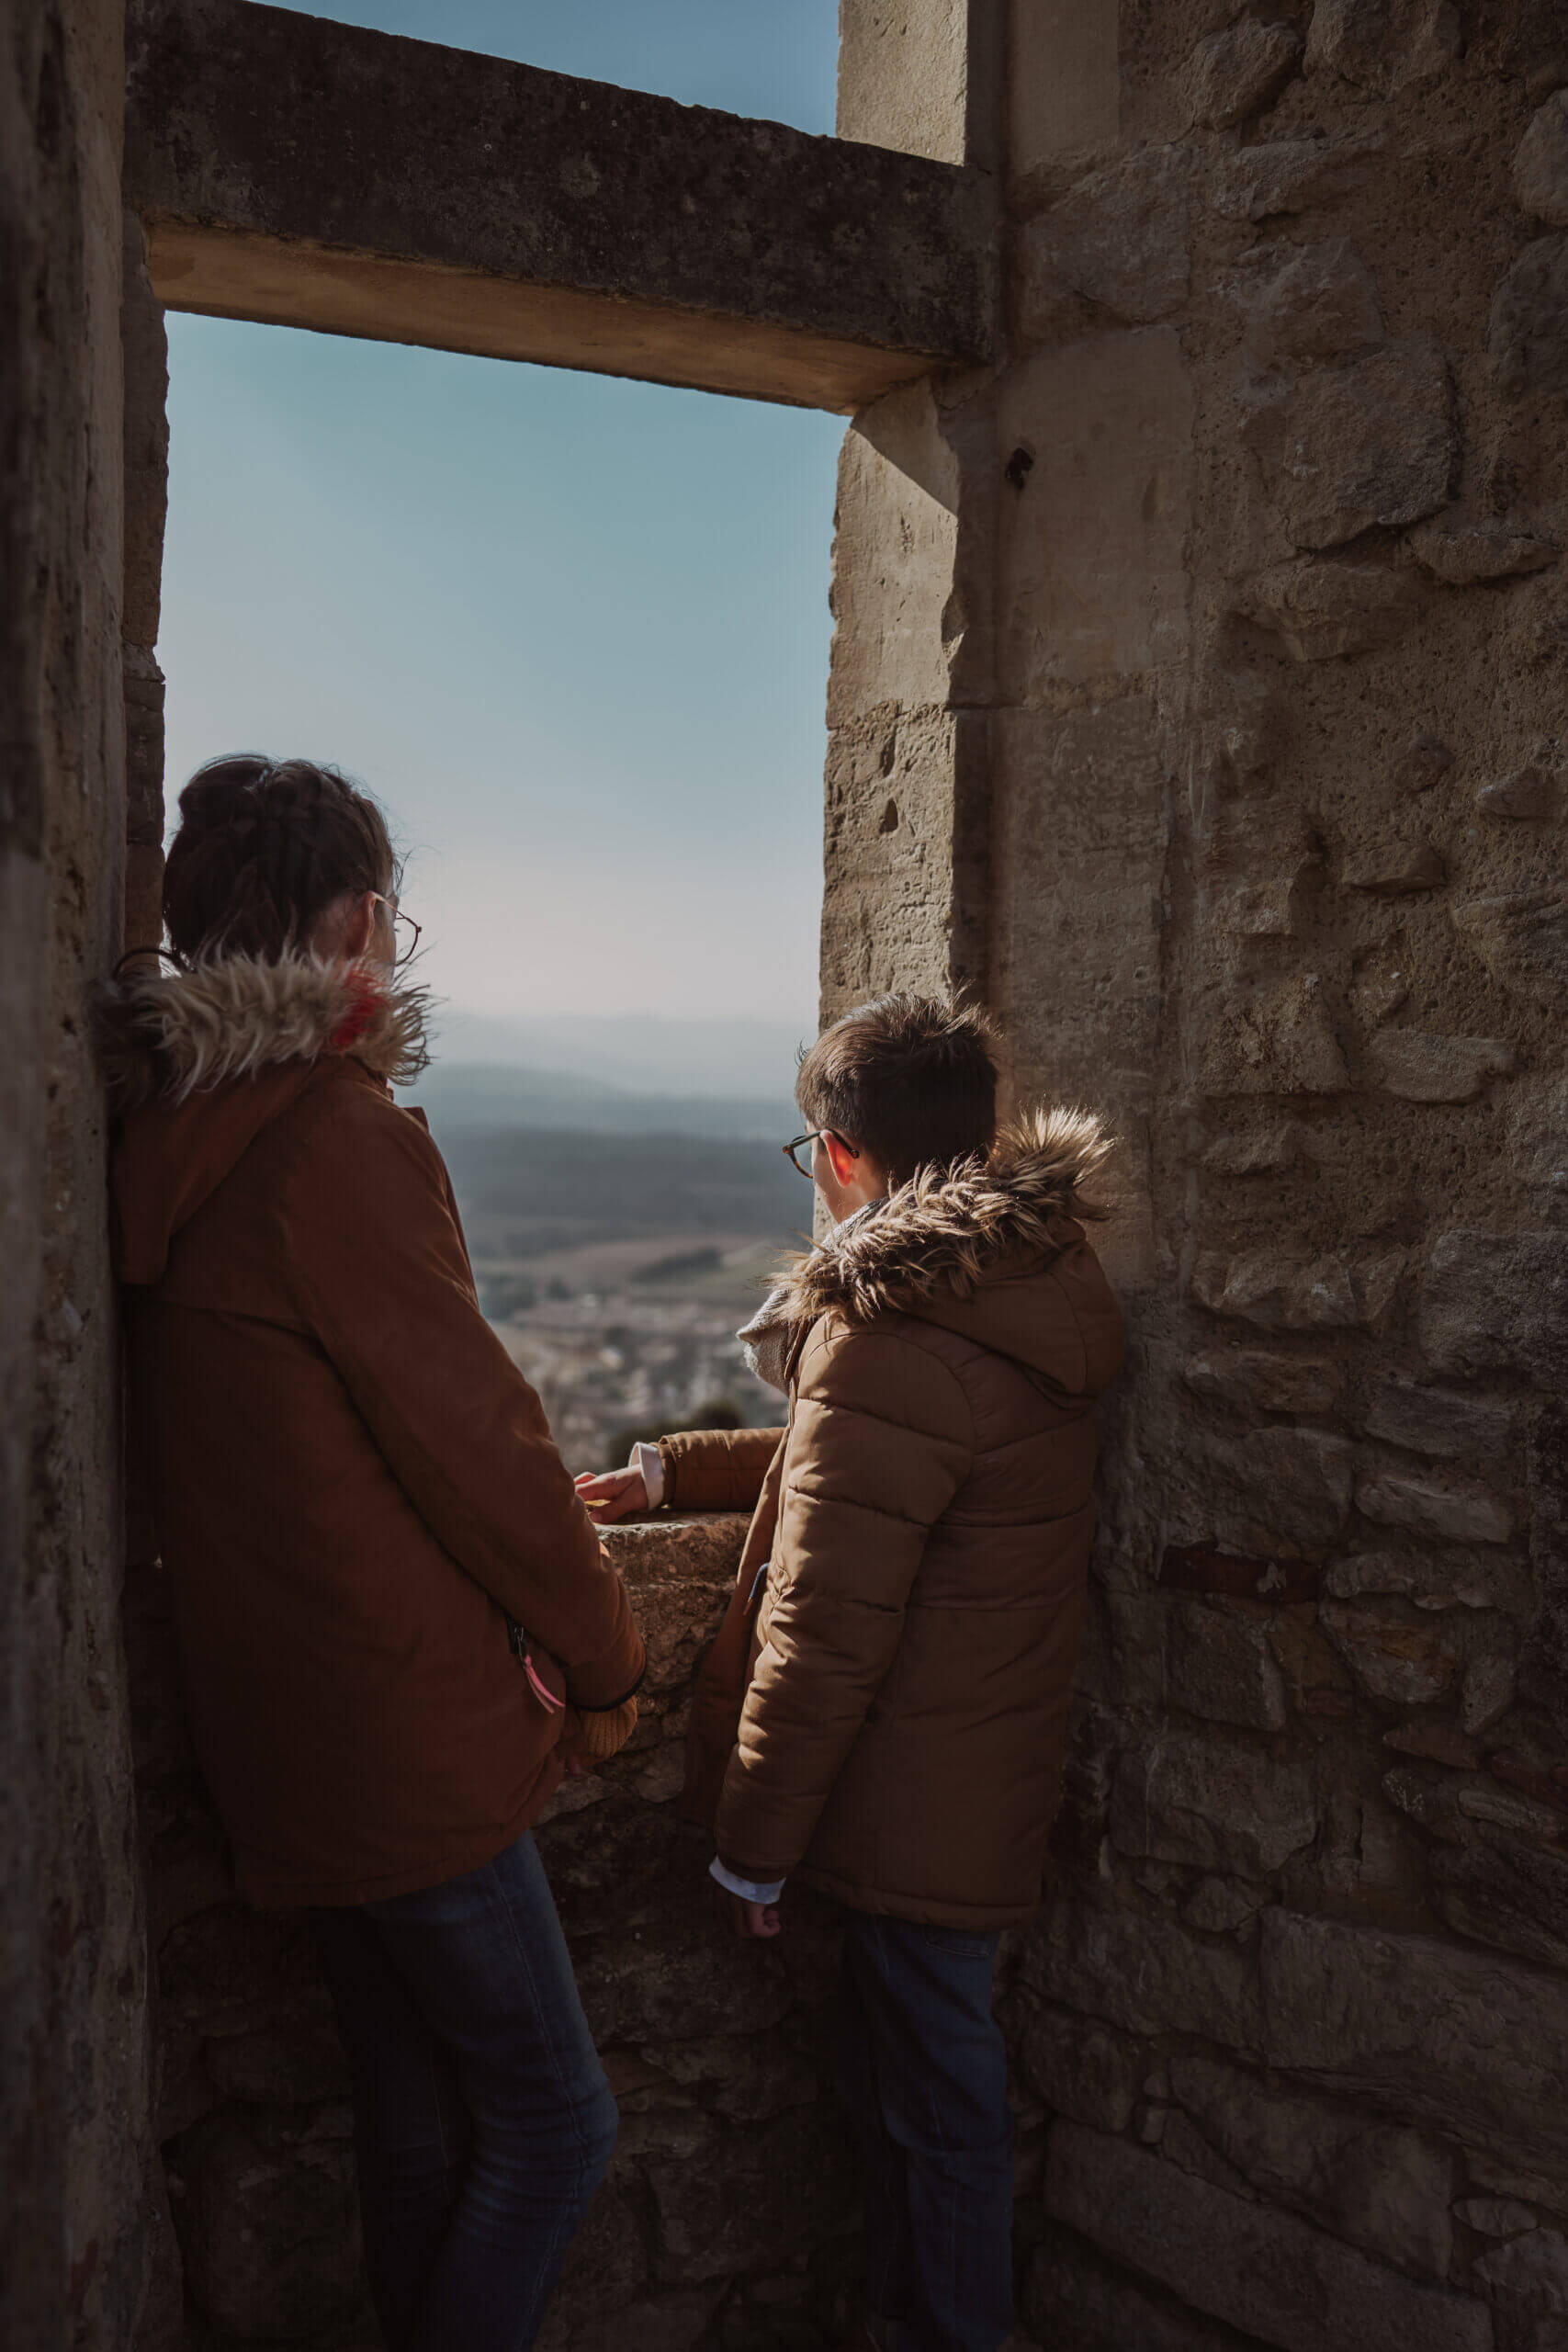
(792, 1150)
(409, 933)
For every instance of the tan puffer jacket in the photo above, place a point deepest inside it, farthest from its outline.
(883, 1711)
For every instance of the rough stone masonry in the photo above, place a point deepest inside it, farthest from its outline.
(1197, 697)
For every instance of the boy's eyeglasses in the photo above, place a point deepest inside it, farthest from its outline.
(406, 940)
(792, 1150)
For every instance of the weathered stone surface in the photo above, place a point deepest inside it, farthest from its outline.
(1444, 1422)
(1221, 1807)
(1317, 302)
(751, 2198)
(1281, 1289)
(670, 2323)
(247, 2191)
(1277, 1042)
(1116, 241)
(1462, 553)
(1529, 793)
(536, 216)
(748, 2076)
(1253, 1381)
(1236, 73)
(1495, 2217)
(1500, 1893)
(1424, 762)
(1384, 2190)
(1452, 1514)
(1529, 2275)
(1219, 1665)
(1493, 1302)
(1395, 868)
(1537, 1141)
(1489, 1685)
(1264, 2271)
(1393, 1658)
(1373, 442)
(1541, 163)
(1526, 334)
(1286, 176)
(1449, 1582)
(1221, 1905)
(1146, 1975)
(677, 1979)
(1432, 2034)
(1076, 2301)
(1272, 1490)
(1522, 939)
(1419, 1069)
(1080, 2070)
(1322, 611)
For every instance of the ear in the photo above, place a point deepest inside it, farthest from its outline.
(359, 925)
(842, 1161)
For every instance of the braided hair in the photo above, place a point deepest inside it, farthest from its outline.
(263, 848)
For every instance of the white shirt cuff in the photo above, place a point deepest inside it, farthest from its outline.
(747, 1889)
(650, 1462)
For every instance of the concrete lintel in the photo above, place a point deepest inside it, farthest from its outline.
(304, 173)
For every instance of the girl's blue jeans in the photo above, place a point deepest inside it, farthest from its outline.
(482, 2119)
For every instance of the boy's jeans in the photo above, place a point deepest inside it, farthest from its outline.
(923, 2072)
(482, 2119)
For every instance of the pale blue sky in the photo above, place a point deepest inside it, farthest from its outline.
(572, 630)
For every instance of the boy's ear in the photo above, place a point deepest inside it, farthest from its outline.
(840, 1158)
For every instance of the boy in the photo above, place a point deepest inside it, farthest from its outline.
(883, 1711)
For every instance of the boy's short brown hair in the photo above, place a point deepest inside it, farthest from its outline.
(910, 1079)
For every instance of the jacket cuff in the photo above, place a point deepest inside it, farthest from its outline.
(649, 1461)
(667, 1466)
(613, 1678)
(749, 1890)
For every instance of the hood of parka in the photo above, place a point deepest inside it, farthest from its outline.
(992, 1249)
(197, 1063)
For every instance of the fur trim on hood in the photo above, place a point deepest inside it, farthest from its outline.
(166, 1034)
(944, 1229)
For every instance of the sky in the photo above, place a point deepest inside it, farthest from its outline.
(572, 630)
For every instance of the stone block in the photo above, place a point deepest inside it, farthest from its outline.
(1433, 1581)
(293, 2061)
(1217, 1806)
(1272, 1490)
(1522, 939)
(674, 1979)
(1395, 1659)
(1523, 798)
(268, 2229)
(1451, 1514)
(1497, 1892)
(1277, 1041)
(1251, 1381)
(1420, 1068)
(1527, 331)
(1219, 1665)
(1541, 163)
(1288, 176)
(1222, 1906)
(1385, 2189)
(1495, 2217)
(1116, 242)
(1491, 1302)
(1373, 442)
(1263, 2271)
(1321, 612)
(1462, 553)
(1280, 1287)
(1234, 74)
(1528, 2277)
(1080, 2070)
(1538, 1140)
(1145, 1974)
(750, 2197)
(1473, 2046)
(1074, 2301)
(1395, 868)
(1488, 1693)
(1317, 301)
(1443, 1422)
(749, 2077)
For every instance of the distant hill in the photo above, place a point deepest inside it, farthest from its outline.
(469, 1097)
(643, 1053)
(526, 1189)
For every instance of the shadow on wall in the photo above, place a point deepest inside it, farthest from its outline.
(729, 2213)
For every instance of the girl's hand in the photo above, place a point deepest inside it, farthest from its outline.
(611, 1494)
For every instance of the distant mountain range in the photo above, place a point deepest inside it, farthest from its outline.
(641, 1053)
(475, 1098)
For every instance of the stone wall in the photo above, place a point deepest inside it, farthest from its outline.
(725, 2212)
(72, 2041)
(1276, 836)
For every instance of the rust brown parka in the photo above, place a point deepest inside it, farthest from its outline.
(885, 1708)
(352, 1483)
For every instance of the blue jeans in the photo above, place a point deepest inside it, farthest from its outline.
(482, 2119)
(922, 2071)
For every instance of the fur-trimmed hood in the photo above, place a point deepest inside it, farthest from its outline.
(982, 1249)
(168, 1035)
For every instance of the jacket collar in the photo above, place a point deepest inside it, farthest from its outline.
(163, 1036)
(948, 1230)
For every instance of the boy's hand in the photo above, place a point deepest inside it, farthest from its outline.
(750, 1922)
(611, 1494)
